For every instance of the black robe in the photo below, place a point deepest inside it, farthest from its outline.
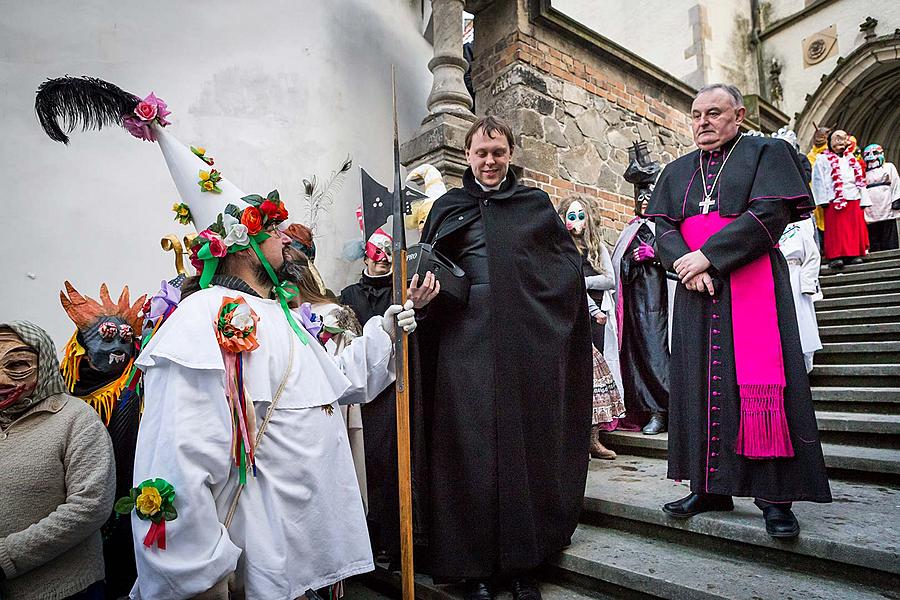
(118, 544)
(506, 382)
(762, 186)
(644, 351)
(370, 298)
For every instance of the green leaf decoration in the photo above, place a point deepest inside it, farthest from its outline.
(253, 199)
(168, 512)
(273, 196)
(124, 505)
(233, 210)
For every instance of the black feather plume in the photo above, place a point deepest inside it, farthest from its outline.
(85, 101)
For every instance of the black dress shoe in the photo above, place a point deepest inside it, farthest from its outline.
(780, 520)
(694, 504)
(478, 590)
(857, 260)
(524, 588)
(836, 264)
(657, 424)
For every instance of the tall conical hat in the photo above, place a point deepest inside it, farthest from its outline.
(227, 220)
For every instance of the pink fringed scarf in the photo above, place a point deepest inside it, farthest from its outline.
(759, 364)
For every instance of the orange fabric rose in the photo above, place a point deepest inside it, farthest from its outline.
(252, 219)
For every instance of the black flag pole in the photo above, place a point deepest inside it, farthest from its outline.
(401, 356)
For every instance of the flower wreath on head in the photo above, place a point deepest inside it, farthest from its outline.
(239, 229)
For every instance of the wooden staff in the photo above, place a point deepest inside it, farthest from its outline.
(401, 358)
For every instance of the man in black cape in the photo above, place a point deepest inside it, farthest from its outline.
(506, 378)
(741, 415)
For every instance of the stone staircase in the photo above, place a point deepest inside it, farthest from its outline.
(626, 547)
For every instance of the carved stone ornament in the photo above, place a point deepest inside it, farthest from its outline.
(820, 46)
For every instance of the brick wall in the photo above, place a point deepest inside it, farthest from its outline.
(574, 113)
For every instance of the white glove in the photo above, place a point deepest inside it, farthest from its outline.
(405, 316)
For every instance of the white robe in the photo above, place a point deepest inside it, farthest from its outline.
(823, 184)
(300, 523)
(882, 196)
(798, 244)
(352, 413)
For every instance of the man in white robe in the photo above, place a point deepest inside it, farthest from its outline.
(299, 524)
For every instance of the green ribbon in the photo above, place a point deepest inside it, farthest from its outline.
(210, 263)
(284, 291)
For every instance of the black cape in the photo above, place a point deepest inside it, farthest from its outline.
(644, 352)
(763, 187)
(506, 382)
(118, 544)
(369, 298)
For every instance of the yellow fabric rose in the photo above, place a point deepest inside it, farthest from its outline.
(208, 185)
(204, 175)
(201, 150)
(149, 501)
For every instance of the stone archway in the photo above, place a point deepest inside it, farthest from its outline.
(862, 96)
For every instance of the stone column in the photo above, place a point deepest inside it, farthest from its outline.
(440, 139)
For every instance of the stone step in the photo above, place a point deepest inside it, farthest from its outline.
(667, 569)
(855, 459)
(871, 265)
(875, 370)
(859, 529)
(870, 314)
(844, 353)
(882, 332)
(859, 394)
(426, 589)
(829, 304)
(861, 289)
(877, 275)
(874, 258)
(848, 422)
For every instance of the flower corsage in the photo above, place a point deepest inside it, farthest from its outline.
(153, 500)
(148, 111)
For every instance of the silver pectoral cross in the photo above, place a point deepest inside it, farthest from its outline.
(707, 204)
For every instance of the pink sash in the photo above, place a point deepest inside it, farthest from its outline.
(759, 364)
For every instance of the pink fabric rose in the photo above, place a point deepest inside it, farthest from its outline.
(138, 128)
(217, 245)
(146, 110)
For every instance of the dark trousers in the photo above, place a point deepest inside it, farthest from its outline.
(95, 591)
(883, 235)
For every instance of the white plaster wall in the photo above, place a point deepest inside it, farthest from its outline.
(658, 31)
(786, 45)
(275, 91)
(730, 58)
(775, 10)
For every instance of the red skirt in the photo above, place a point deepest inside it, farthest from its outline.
(846, 233)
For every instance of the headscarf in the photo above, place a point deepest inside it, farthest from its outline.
(49, 380)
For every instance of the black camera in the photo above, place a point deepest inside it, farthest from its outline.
(421, 258)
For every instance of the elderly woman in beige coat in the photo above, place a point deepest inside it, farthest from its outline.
(56, 483)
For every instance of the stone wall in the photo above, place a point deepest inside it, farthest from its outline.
(574, 111)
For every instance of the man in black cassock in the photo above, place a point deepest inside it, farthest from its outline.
(741, 415)
(506, 378)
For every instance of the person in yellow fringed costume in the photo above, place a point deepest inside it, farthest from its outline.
(819, 145)
(97, 367)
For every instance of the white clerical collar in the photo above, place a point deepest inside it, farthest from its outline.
(492, 188)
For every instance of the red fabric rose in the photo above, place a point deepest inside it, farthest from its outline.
(282, 213)
(270, 209)
(252, 220)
